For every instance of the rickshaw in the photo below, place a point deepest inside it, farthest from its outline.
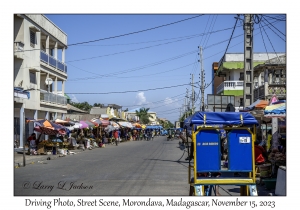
(206, 169)
(171, 134)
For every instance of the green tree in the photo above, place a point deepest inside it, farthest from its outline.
(98, 105)
(185, 115)
(166, 124)
(83, 106)
(143, 115)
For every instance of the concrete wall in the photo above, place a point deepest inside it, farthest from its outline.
(47, 25)
(256, 56)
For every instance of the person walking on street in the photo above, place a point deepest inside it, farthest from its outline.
(116, 136)
(153, 134)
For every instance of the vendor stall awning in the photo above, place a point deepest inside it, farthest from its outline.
(276, 110)
(125, 124)
(104, 122)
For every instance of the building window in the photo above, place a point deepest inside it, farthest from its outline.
(32, 39)
(241, 76)
(32, 77)
(262, 80)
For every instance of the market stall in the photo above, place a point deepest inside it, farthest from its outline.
(55, 141)
(277, 112)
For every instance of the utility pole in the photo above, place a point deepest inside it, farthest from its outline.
(248, 60)
(186, 102)
(193, 95)
(202, 82)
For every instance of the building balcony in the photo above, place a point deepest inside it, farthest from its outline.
(262, 93)
(52, 99)
(51, 61)
(230, 86)
(19, 50)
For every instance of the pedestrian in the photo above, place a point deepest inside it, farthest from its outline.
(260, 154)
(119, 135)
(32, 144)
(153, 134)
(116, 137)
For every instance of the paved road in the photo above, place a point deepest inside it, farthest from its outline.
(132, 168)
(136, 168)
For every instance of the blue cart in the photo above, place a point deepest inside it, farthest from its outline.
(207, 170)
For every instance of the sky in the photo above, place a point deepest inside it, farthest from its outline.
(138, 52)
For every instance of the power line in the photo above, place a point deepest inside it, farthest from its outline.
(274, 18)
(274, 26)
(210, 33)
(181, 37)
(178, 38)
(134, 69)
(152, 102)
(271, 45)
(273, 31)
(264, 41)
(225, 50)
(122, 52)
(154, 73)
(112, 37)
(132, 91)
(228, 48)
(117, 53)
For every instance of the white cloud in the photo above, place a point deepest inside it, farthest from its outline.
(74, 99)
(171, 102)
(140, 98)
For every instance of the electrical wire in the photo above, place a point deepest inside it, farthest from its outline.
(274, 18)
(273, 31)
(210, 33)
(225, 51)
(133, 91)
(231, 47)
(112, 37)
(264, 41)
(133, 50)
(271, 45)
(153, 102)
(273, 26)
(135, 69)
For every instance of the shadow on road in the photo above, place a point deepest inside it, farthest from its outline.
(174, 161)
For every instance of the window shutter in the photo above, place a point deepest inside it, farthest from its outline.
(32, 38)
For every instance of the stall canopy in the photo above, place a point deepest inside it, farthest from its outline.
(110, 128)
(83, 124)
(49, 128)
(104, 123)
(222, 118)
(275, 110)
(125, 124)
(90, 124)
(96, 120)
(114, 124)
(259, 104)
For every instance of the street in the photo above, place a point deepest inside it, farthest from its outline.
(135, 168)
(132, 168)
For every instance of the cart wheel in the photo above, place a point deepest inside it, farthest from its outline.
(192, 191)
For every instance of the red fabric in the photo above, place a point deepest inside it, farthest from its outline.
(30, 138)
(259, 151)
(116, 135)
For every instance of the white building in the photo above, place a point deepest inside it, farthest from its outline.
(39, 54)
(232, 69)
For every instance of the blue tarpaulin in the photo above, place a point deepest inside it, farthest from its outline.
(222, 118)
